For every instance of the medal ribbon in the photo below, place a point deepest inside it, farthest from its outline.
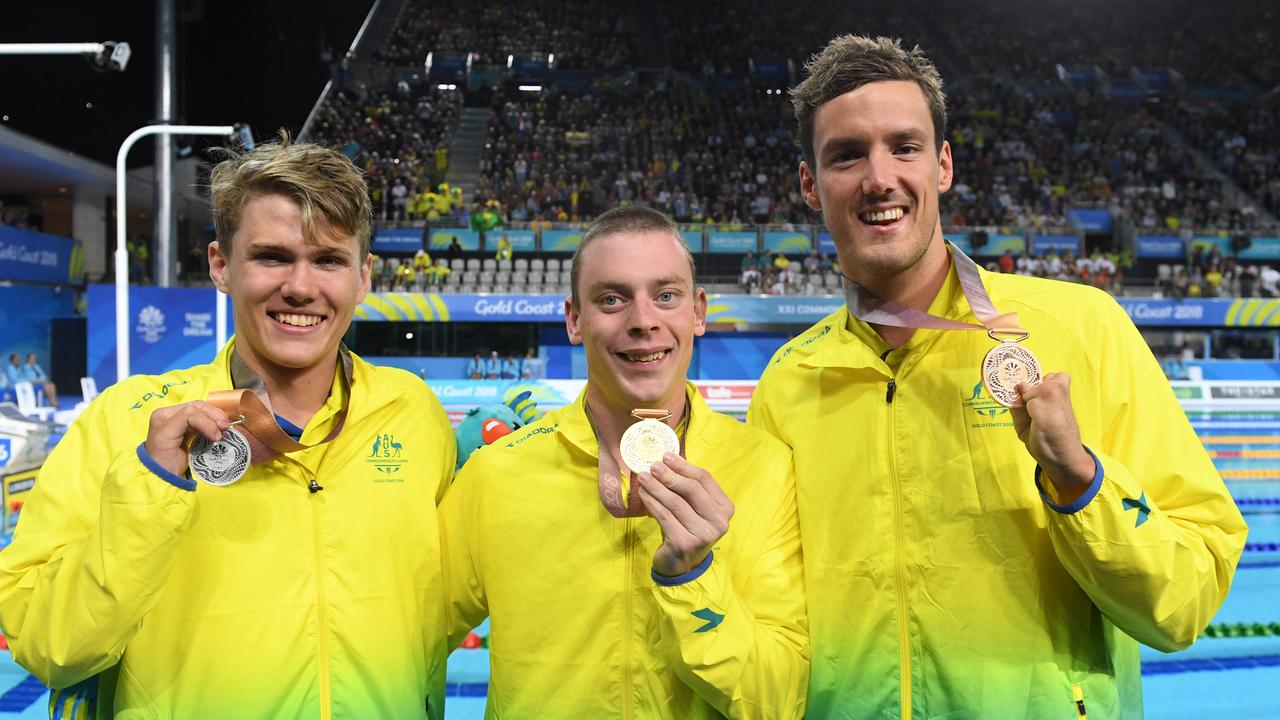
(266, 440)
(871, 309)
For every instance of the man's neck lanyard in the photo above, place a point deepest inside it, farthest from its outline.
(261, 440)
(1003, 367)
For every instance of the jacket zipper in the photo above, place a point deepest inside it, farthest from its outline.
(627, 622)
(322, 619)
(1077, 692)
(904, 639)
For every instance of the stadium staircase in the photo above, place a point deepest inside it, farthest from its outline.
(467, 149)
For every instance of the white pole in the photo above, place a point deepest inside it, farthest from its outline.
(220, 323)
(50, 48)
(122, 252)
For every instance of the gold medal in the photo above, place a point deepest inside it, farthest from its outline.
(1004, 367)
(222, 462)
(645, 442)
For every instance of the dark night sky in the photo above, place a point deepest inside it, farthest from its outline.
(258, 63)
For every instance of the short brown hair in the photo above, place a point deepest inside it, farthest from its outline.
(324, 183)
(850, 61)
(632, 219)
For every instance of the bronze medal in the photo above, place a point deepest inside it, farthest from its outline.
(1004, 367)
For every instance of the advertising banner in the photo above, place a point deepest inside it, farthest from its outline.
(34, 257)
(561, 240)
(1262, 248)
(1090, 220)
(788, 242)
(731, 242)
(1042, 244)
(441, 238)
(168, 328)
(1160, 246)
(522, 241)
(397, 240)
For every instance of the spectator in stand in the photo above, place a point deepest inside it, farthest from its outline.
(811, 262)
(36, 375)
(1005, 262)
(504, 248)
(511, 367)
(476, 367)
(13, 371)
(493, 368)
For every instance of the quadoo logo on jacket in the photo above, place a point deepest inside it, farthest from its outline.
(387, 456)
(978, 401)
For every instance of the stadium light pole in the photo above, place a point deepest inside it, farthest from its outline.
(122, 252)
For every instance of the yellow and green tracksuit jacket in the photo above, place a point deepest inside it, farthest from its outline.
(942, 582)
(261, 599)
(580, 628)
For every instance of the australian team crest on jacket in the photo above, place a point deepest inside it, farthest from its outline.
(387, 456)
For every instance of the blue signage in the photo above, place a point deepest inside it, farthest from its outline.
(169, 328)
(35, 257)
(26, 314)
(1090, 220)
(398, 240)
(826, 244)
(1042, 244)
(692, 239)
(997, 244)
(731, 242)
(561, 240)
(441, 238)
(961, 241)
(1261, 248)
(788, 242)
(1160, 246)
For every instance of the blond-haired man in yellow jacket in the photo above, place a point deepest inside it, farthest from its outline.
(976, 545)
(310, 587)
(673, 591)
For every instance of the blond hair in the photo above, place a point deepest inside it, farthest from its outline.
(328, 188)
(850, 61)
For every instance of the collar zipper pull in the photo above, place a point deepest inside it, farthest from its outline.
(314, 486)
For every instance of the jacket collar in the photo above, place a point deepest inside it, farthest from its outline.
(842, 348)
(351, 387)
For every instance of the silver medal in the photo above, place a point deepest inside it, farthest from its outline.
(222, 462)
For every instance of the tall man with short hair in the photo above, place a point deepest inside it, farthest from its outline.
(309, 587)
(965, 558)
(598, 610)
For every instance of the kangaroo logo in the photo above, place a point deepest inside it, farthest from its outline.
(981, 403)
(387, 457)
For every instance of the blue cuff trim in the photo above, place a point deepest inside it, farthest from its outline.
(179, 482)
(690, 576)
(289, 428)
(1084, 499)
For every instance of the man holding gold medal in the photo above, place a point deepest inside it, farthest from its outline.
(637, 553)
(999, 494)
(256, 537)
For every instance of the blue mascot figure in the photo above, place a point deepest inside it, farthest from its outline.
(484, 425)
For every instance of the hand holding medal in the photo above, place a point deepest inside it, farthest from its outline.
(691, 509)
(171, 428)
